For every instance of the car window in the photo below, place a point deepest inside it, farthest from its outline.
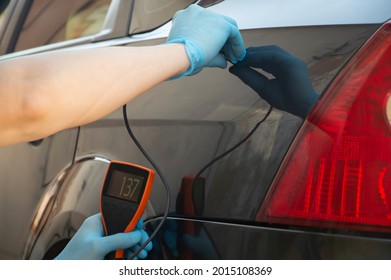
(3, 8)
(150, 14)
(52, 21)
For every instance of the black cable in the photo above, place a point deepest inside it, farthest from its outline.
(235, 146)
(165, 184)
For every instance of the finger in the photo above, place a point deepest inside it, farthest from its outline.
(250, 77)
(121, 241)
(94, 219)
(273, 48)
(143, 253)
(228, 51)
(269, 90)
(272, 59)
(93, 224)
(256, 52)
(236, 50)
(144, 239)
(262, 57)
(139, 224)
(218, 61)
(130, 254)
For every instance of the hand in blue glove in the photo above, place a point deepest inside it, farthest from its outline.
(291, 90)
(90, 242)
(210, 39)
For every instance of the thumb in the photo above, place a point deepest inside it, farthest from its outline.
(218, 61)
(250, 77)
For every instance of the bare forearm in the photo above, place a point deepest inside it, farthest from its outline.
(105, 79)
(51, 92)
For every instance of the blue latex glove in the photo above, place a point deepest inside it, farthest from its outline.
(90, 242)
(210, 39)
(291, 90)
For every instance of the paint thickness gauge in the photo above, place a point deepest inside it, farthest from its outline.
(124, 196)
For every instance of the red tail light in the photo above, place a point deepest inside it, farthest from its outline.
(338, 171)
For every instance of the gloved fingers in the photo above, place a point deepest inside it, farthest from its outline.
(86, 244)
(236, 43)
(142, 255)
(178, 14)
(268, 90)
(144, 239)
(229, 54)
(139, 224)
(205, 35)
(129, 253)
(234, 48)
(94, 217)
(219, 61)
(192, 11)
(273, 60)
(271, 48)
(250, 77)
(92, 226)
(120, 241)
(268, 53)
(94, 220)
(264, 58)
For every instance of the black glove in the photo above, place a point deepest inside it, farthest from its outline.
(290, 90)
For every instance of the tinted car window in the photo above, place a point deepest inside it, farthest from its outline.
(3, 7)
(55, 21)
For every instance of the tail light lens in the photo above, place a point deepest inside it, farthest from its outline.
(337, 172)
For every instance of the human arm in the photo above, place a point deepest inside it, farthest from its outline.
(45, 93)
(90, 243)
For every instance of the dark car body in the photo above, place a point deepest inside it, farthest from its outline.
(184, 125)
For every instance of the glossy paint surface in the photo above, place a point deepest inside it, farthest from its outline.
(184, 125)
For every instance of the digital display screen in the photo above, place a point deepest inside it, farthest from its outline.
(126, 186)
